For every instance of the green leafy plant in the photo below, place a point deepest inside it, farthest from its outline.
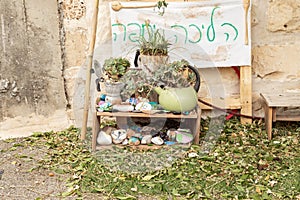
(168, 75)
(154, 43)
(115, 68)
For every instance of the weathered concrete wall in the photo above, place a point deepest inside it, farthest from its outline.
(275, 47)
(32, 90)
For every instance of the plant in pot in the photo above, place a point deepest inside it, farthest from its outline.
(114, 69)
(153, 50)
(176, 83)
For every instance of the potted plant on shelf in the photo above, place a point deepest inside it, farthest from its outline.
(114, 69)
(153, 50)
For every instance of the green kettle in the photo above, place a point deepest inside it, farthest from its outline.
(179, 99)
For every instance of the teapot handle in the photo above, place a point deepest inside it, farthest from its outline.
(137, 54)
(198, 80)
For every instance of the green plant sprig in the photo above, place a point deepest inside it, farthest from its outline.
(161, 5)
(155, 44)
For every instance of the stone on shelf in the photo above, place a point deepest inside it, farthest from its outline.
(184, 136)
(146, 139)
(104, 138)
(157, 140)
(134, 141)
(118, 136)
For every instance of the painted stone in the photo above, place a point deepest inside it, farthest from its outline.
(104, 138)
(184, 137)
(146, 139)
(170, 143)
(143, 106)
(157, 140)
(147, 129)
(118, 136)
(105, 107)
(123, 108)
(100, 103)
(134, 141)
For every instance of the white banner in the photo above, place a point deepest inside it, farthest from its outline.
(207, 34)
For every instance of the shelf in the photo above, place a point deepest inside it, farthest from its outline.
(156, 115)
(193, 118)
(142, 146)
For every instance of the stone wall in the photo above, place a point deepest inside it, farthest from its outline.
(32, 89)
(275, 43)
(46, 43)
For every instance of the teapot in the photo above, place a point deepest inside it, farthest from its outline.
(177, 99)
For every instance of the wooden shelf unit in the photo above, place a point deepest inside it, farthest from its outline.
(272, 102)
(121, 117)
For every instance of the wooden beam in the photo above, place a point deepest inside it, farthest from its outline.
(88, 72)
(246, 93)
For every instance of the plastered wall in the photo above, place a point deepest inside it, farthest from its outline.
(42, 73)
(32, 91)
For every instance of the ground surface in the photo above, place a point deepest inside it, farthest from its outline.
(24, 180)
(233, 162)
(18, 181)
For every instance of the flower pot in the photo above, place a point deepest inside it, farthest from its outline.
(150, 63)
(113, 92)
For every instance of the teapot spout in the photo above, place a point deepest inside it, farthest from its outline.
(158, 90)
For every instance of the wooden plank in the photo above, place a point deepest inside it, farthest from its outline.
(231, 102)
(159, 115)
(287, 118)
(197, 127)
(143, 147)
(282, 100)
(269, 121)
(96, 129)
(246, 93)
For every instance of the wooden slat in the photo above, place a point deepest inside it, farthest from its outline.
(282, 100)
(287, 118)
(96, 129)
(246, 93)
(197, 127)
(133, 114)
(142, 146)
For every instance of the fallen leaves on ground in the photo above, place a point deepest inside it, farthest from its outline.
(233, 161)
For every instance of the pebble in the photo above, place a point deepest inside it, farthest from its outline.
(157, 140)
(118, 136)
(134, 141)
(184, 137)
(146, 139)
(104, 138)
(123, 108)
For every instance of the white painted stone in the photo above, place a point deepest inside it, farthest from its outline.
(157, 140)
(146, 139)
(104, 138)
